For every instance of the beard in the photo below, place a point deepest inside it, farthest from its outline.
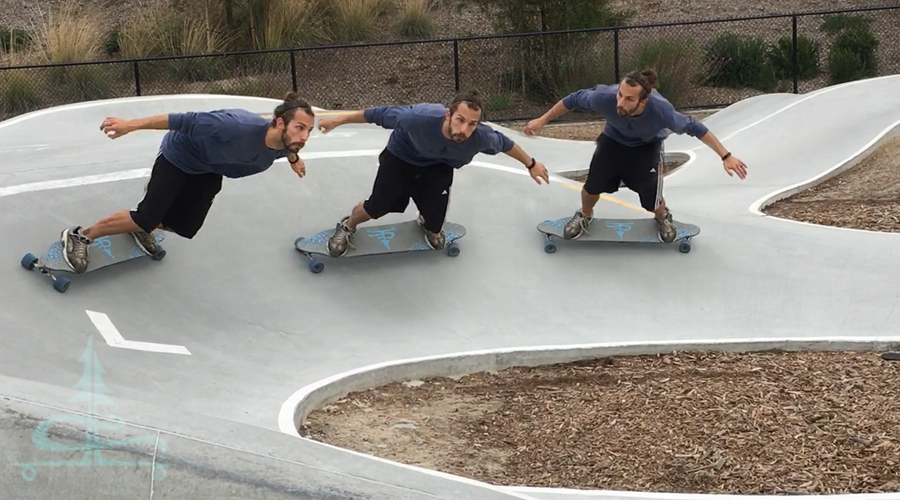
(293, 147)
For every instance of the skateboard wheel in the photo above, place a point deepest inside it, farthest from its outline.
(550, 247)
(453, 250)
(316, 266)
(159, 256)
(61, 285)
(684, 247)
(28, 261)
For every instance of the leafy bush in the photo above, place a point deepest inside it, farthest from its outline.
(671, 58)
(19, 91)
(836, 23)
(14, 39)
(782, 61)
(415, 20)
(853, 55)
(735, 62)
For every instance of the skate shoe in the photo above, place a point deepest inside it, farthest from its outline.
(341, 240)
(667, 231)
(435, 240)
(75, 249)
(576, 226)
(146, 241)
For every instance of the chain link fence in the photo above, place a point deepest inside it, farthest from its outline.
(703, 64)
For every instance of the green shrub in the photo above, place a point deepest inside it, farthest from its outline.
(735, 62)
(19, 91)
(861, 43)
(14, 39)
(836, 23)
(781, 58)
(671, 58)
(415, 20)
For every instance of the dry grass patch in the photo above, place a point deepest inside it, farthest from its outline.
(417, 19)
(735, 423)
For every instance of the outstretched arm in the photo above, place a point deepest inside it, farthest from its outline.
(383, 116)
(580, 100)
(681, 124)
(200, 123)
(498, 142)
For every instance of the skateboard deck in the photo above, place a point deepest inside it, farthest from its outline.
(891, 356)
(105, 251)
(378, 239)
(619, 230)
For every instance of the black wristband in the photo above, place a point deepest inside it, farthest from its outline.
(533, 163)
(727, 155)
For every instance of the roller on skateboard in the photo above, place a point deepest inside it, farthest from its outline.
(381, 239)
(105, 251)
(641, 230)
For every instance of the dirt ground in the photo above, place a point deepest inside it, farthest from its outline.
(760, 423)
(866, 196)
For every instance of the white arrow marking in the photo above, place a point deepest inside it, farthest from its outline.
(114, 338)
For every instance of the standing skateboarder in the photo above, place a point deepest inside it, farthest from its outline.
(200, 149)
(428, 143)
(630, 149)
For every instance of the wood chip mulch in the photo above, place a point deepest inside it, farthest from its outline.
(751, 423)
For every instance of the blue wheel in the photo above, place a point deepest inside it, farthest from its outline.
(316, 266)
(453, 249)
(61, 285)
(160, 255)
(684, 247)
(28, 261)
(550, 247)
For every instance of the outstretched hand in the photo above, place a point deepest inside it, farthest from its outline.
(538, 172)
(326, 124)
(115, 127)
(534, 127)
(299, 168)
(735, 166)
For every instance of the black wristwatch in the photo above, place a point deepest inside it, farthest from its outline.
(295, 160)
(727, 155)
(533, 163)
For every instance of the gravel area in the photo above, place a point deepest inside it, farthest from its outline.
(760, 423)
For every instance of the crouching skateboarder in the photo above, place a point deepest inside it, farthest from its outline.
(428, 143)
(200, 149)
(629, 152)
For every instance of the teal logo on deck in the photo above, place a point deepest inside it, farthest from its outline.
(93, 392)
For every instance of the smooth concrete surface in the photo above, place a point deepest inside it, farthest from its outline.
(259, 326)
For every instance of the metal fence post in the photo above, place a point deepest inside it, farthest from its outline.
(795, 70)
(137, 78)
(616, 52)
(456, 63)
(293, 71)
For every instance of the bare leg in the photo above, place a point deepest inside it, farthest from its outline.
(358, 216)
(117, 223)
(588, 201)
(660, 211)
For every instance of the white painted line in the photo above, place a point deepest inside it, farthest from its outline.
(74, 182)
(112, 336)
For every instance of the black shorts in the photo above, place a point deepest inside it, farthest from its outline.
(176, 200)
(397, 181)
(638, 168)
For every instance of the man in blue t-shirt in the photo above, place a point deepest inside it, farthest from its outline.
(629, 151)
(428, 143)
(200, 149)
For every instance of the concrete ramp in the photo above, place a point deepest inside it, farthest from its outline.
(208, 344)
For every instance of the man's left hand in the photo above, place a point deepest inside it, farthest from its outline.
(538, 172)
(299, 167)
(735, 166)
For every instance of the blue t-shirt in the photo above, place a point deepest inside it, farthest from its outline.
(650, 126)
(231, 142)
(417, 138)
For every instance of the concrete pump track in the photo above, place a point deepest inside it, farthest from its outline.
(187, 378)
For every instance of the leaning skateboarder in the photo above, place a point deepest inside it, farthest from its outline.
(200, 149)
(630, 149)
(428, 143)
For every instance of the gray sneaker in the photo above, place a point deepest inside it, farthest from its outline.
(435, 240)
(667, 230)
(146, 241)
(576, 225)
(341, 240)
(75, 249)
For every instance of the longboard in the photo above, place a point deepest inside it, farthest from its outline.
(641, 230)
(891, 356)
(105, 251)
(380, 239)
